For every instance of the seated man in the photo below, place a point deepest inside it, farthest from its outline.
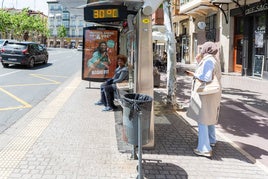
(108, 88)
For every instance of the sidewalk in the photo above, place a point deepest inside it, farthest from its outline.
(67, 136)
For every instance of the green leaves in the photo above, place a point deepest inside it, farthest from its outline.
(62, 31)
(21, 23)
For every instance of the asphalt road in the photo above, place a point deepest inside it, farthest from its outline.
(22, 88)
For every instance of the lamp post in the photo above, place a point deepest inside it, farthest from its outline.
(2, 3)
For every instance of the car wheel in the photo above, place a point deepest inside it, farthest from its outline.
(46, 59)
(31, 63)
(5, 65)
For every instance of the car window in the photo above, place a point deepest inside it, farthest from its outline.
(40, 47)
(16, 46)
(34, 47)
(2, 42)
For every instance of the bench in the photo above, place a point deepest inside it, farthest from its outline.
(122, 89)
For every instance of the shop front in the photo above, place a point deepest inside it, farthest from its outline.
(250, 50)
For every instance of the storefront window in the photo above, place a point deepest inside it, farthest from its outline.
(239, 26)
(259, 34)
(258, 47)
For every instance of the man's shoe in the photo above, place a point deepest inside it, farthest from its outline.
(107, 109)
(99, 103)
(204, 154)
(114, 107)
(213, 144)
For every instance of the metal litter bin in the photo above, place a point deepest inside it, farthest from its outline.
(136, 106)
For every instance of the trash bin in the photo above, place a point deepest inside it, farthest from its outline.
(133, 104)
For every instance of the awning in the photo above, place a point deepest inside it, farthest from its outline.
(197, 8)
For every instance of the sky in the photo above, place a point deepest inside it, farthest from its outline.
(37, 5)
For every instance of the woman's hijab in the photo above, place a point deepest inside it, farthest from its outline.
(209, 48)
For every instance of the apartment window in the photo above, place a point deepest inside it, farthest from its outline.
(58, 7)
(58, 22)
(65, 24)
(80, 32)
(211, 28)
(65, 15)
(73, 23)
(73, 32)
(184, 2)
(51, 21)
(52, 7)
(81, 23)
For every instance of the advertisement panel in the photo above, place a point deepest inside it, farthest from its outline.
(100, 48)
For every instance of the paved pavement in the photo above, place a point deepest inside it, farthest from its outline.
(67, 137)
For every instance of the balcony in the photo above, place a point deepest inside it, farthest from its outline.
(197, 7)
(176, 15)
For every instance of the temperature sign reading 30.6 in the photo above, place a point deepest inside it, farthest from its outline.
(105, 13)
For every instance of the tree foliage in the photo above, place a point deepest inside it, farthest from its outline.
(62, 31)
(22, 25)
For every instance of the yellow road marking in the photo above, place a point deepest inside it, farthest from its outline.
(41, 76)
(14, 152)
(25, 104)
(29, 84)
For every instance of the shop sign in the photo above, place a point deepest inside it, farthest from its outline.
(258, 65)
(257, 8)
(259, 33)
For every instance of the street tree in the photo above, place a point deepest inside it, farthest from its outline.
(62, 32)
(5, 23)
(22, 25)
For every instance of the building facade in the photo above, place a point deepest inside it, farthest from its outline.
(238, 27)
(59, 15)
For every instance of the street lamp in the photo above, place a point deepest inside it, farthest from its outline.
(150, 6)
(2, 3)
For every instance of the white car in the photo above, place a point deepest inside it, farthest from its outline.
(80, 47)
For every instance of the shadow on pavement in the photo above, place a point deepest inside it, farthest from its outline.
(155, 167)
(243, 114)
(174, 136)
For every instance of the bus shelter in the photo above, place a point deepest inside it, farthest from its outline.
(126, 28)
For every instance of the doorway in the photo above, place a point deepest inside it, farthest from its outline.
(238, 56)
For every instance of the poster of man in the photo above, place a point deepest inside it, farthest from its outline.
(99, 54)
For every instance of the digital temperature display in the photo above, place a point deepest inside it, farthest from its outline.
(105, 13)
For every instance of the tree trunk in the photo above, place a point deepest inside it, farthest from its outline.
(171, 54)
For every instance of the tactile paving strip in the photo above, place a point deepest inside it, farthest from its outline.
(13, 153)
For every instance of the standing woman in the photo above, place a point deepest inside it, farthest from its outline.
(205, 108)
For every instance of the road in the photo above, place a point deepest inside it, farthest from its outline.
(22, 88)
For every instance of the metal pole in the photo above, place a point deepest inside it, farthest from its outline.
(140, 176)
(2, 3)
(134, 154)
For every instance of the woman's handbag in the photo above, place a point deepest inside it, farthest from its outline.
(205, 88)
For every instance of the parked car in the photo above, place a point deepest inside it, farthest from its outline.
(80, 47)
(23, 53)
